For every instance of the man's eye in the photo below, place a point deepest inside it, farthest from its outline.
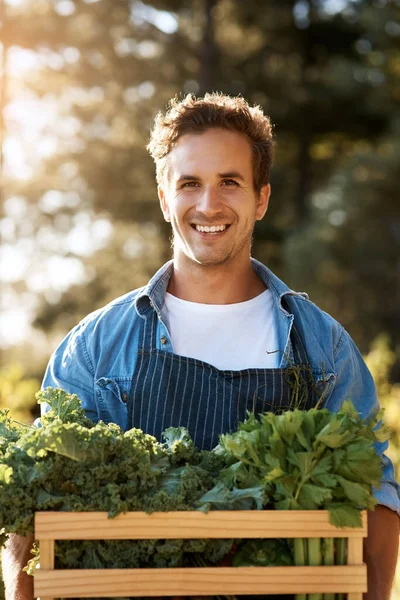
(229, 182)
(190, 184)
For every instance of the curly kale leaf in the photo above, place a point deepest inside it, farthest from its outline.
(10, 430)
(64, 406)
(180, 445)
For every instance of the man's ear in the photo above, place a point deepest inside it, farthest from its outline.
(262, 201)
(164, 204)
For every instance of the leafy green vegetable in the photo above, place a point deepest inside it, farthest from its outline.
(290, 461)
(263, 553)
(306, 460)
(221, 497)
(65, 407)
(72, 464)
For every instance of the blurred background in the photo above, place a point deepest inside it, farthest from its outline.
(81, 81)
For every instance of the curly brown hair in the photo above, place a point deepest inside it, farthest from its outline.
(196, 115)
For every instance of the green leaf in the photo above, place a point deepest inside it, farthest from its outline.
(304, 461)
(233, 444)
(325, 480)
(68, 440)
(344, 515)
(348, 409)
(172, 435)
(308, 426)
(274, 475)
(338, 457)
(287, 504)
(180, 444)
(171, 480)
(363, 469)
(229, 475)
(303, 441)
(287, 486)
(6, 473)
(252, 441)
(221, 498)
(66, 406)
(278, 449)
(312, 496)
(288, 424)
(263, 553)
(382, 432)
(323, 464)
(334, 440)
(322, 417)
(358, 493)
(270, 461)
(46, 501)
(322, 474)
(250, 424)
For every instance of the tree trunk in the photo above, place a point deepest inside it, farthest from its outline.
(208, 51)
(302, 208)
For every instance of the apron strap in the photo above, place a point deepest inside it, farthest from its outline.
(148, 330)
(299, 351)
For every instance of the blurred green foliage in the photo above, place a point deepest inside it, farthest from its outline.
(17, 392)
(327, 73)
(380, 361)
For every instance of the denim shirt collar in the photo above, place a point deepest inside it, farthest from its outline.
(153, 294)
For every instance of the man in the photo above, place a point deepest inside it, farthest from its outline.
(213, 332)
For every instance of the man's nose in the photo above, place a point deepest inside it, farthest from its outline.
(209, 201)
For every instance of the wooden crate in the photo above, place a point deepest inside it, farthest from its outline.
(197, 581)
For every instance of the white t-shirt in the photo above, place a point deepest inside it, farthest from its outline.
(228, 336)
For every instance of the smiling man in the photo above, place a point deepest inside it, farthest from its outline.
(214, 331)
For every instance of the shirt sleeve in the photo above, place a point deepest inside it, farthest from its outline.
(354, 382)
(70, 368)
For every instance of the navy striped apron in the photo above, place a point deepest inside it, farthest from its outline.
(169, 390)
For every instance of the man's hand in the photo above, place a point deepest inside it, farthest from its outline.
(381, 552)
(18, 584)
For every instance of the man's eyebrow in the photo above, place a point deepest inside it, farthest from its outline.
(228, 175)
(231, 175)
(188, 178)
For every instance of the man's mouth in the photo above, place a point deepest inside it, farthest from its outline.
(210, 228)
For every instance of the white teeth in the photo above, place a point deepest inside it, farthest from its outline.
(211, 229)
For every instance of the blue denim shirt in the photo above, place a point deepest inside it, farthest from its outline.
(97, 358)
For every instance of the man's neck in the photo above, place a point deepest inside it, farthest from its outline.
(219, 284)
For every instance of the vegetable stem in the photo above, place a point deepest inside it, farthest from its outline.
(341, 547)
(314, 560)
(329, 560)
(300, 559)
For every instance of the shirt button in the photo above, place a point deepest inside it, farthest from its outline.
(163, 340)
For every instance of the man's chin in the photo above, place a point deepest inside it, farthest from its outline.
(209, 261)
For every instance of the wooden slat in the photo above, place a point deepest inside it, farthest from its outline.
(355, 557)
(200, 581)
(47, 559)
(355, 551)
(47, 554)
(190, 525)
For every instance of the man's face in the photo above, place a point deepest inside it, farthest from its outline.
(209, 197)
